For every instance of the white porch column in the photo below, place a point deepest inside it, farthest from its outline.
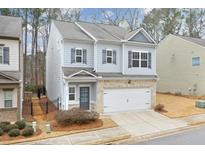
(123, 58)
(66, 95)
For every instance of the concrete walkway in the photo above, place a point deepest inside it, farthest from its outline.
(103, 136)
(139, 123)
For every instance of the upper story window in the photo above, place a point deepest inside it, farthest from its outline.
(109, 56)
(8, 98)
(195, 61)
(78, 55)
(72, 93)
(139, 59)
(4, 55)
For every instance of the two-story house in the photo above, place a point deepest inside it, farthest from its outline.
(100, 67)
(11, 68)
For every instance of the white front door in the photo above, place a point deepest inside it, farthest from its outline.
(125, 99)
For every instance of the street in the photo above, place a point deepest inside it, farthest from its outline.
(193, 137)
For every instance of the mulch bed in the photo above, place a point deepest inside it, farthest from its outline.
(92, 124)
(6, 137)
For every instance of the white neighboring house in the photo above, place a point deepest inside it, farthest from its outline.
(11, 68)
(100, 67)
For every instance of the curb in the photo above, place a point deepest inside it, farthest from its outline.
(143, 138)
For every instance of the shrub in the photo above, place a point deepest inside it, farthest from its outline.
(21, 124)
(27, 131)
(4, 124)
(159, 108)
(10, 127)
(14, 132)
(75, 116)
(1, 131)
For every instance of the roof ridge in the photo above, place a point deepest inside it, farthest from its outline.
(109, 33)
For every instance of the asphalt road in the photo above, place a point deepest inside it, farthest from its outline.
(193, 137)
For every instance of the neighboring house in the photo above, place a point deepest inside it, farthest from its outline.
(100, 67)
(11, 68)
(180, 65)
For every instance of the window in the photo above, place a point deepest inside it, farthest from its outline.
(135, 59)
(71, 93)
(109, 55)
(78, 55)
(139, 59)
(195, 61)
(8, 98)
(144, 59)
(4, 55)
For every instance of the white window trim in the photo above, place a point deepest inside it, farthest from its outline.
(109, 56)
(72, 86)
(140, 59)
(2, 54)
(143, 59)
(11, 98)
(78, 55)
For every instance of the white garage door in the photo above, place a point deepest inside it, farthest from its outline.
(126, 99)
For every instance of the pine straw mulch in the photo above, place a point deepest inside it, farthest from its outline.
(92, 124)
(60, 131)
(178, 106)
(5, 137)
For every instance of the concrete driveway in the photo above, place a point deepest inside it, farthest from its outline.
(139, 123)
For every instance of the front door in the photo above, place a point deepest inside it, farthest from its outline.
(84, 98)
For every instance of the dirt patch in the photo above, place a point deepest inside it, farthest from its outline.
(5, 137)
(92, 124)
(178, 106)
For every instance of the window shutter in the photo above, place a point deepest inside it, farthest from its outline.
(84, 56)
(129, 59)
(72, 55)
(6, 55)
(104, 56)
(149, 60)
(114, 57)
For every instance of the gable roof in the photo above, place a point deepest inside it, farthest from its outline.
(70, 31)
(9, 77)
(97, 31)
(198, 41)
(10, 26)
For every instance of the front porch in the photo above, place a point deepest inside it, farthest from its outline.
(80, 91)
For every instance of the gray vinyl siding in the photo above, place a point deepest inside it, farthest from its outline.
(109, 67)
(140, 38)
(54, 75)
(67, 54)
(13, 55)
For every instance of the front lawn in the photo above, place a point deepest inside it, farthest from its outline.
(178, 106)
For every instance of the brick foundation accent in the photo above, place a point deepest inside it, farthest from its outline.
(10, 114)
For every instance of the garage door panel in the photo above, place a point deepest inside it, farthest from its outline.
(126, 99)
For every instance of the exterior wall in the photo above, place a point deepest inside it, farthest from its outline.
(174, 67)
(139, 71)
(67, 53)
(102, 84)
(13, 55)
(140, 38)
(14, 113)
(54, 74)
(109, 67)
